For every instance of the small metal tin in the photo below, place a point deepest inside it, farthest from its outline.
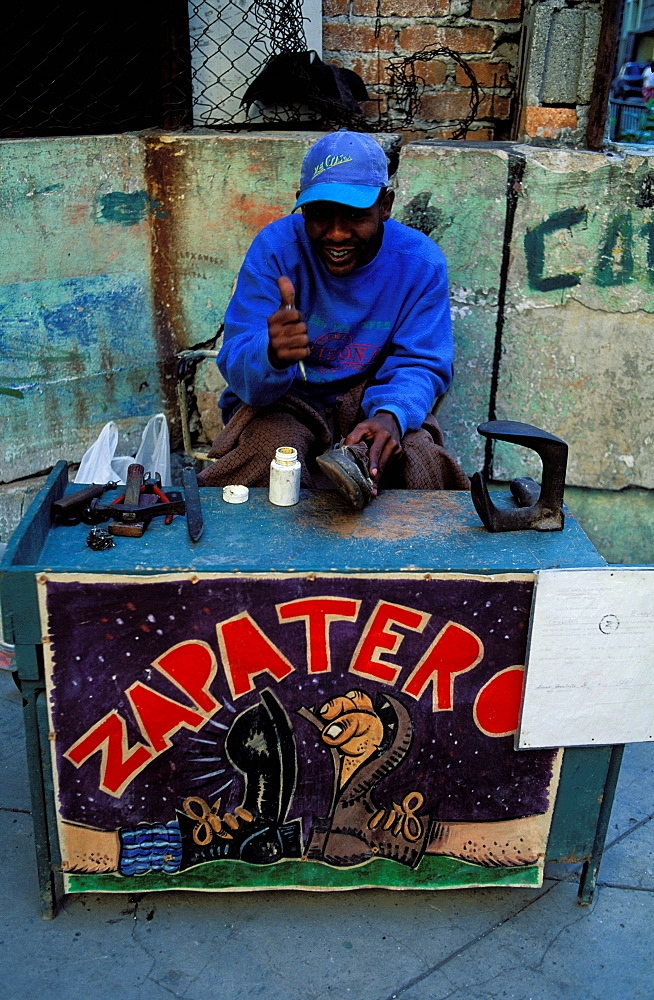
(235, 494)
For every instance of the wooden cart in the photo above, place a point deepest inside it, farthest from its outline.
(306, 698)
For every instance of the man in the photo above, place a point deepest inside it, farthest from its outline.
(648, 85)
(338, 339)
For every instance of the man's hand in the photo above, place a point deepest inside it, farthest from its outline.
(382, 432)
(287, 331)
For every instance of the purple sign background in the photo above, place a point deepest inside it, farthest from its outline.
(105, 635)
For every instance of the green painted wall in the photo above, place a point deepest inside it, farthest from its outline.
(217, 192)
(620, 525)
(77, 334)
(117, 251)
(457, 195)
(578, 338)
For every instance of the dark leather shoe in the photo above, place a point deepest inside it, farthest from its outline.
(254, 841)
(347, 466)
(259, 744)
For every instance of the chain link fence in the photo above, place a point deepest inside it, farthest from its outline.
(221, 64)
(74, 68)
(231, 43)
(251, 68)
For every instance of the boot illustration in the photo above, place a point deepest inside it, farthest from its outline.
(260, 745)
(368, 741)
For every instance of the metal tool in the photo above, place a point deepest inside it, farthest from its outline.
(540, 508)
(194, 520)
(99, 539)
(143, 500)
(70, 509)
(300, 363)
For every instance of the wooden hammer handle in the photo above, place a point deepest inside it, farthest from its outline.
(135, 475)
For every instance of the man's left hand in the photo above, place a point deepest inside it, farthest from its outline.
(382, 432)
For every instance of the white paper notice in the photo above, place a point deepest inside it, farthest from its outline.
(590, 662)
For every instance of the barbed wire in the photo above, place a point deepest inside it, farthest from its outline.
(406, 88)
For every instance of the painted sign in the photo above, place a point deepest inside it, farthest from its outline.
(324, 731)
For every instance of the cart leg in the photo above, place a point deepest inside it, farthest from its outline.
(29, 690)
(56, 874)
(591, 867)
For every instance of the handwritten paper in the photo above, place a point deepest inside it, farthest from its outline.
(590, 660)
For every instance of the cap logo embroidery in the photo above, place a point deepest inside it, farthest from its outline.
(331, 161)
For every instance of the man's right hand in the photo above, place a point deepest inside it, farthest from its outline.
(287, 331)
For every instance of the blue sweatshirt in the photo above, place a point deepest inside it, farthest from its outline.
(389, 319)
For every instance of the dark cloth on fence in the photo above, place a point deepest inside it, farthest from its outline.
(243, 451)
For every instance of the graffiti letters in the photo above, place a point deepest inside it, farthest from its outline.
(615, 261)
(426, 218)
(535, 251)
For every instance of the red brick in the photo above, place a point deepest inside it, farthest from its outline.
(487, 74)
(334, 8)
(373, 109)
(496, 10)
(546, 123)
(444, 106)
(431, 72)
(481, 135)
(411, 135)
(402, 8)
(453, 105)
(478, 135)
(470, 39)
(347, 37)
(492, 106)
(372, 71)
(442, 133)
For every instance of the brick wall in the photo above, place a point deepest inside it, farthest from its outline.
(485, 33)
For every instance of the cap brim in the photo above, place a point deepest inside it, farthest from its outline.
(354, 195)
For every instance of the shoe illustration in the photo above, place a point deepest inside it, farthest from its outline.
(259, 744)
(368, 742)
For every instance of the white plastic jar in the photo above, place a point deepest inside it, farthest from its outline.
(285, 473)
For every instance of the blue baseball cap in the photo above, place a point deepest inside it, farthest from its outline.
(346, 167)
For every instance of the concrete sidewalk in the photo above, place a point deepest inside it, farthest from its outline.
(367, 945)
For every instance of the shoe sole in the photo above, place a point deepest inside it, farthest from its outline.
(347, 479)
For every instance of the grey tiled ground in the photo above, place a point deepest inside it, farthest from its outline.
(369, 945)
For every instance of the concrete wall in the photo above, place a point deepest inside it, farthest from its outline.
(78, 339)
(118, 251)
(115, 252)
(456, 194)
(559, 51)
(578, 339)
